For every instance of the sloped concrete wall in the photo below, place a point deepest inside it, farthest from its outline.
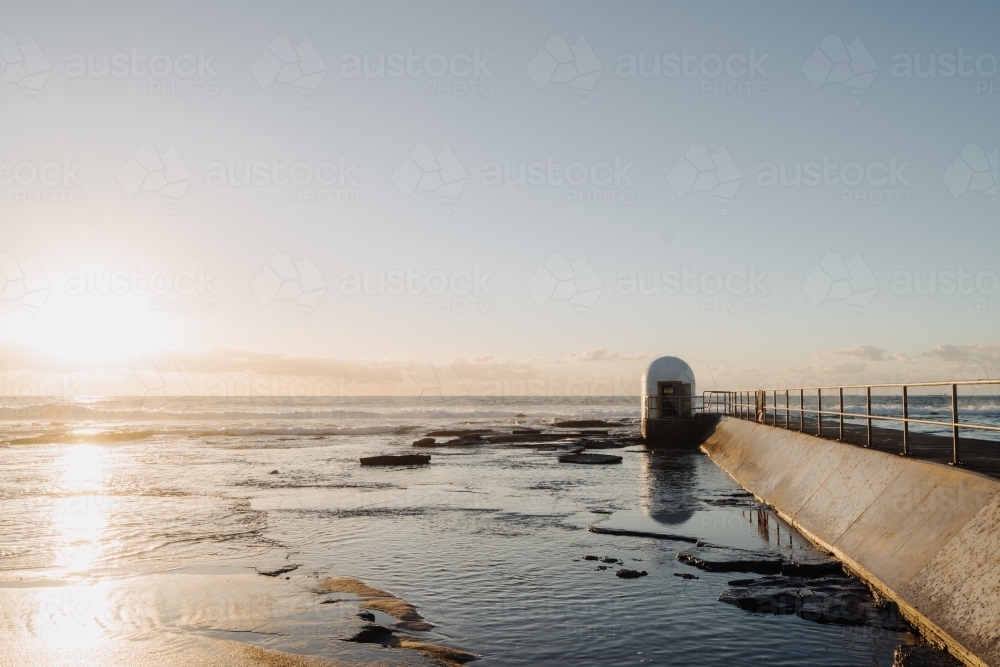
(926, 534)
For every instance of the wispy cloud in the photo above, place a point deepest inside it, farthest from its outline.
(962, 353)
(604, 354)
(864, 353)
(229, 371)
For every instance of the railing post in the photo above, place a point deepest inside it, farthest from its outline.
(774, 419)
(819, 412)
(802, 406)
(841, 437)
(786, 408)
(868, 413)
(906, 424)
(955, 460)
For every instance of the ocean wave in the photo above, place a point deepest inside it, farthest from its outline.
(78, 414)
(319, 431)
(120, 436)
(212, 408)
(108, 421)
(942, 412)
(73, 437)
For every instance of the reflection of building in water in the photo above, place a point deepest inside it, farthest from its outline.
(667, 485)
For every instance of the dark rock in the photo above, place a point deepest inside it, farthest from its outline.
(584, 423)
(732, 499)
(592, 459)
(641, 533)
(273, 472)
(525, 431)
(278, 572)
(609, 559)
(921, 655)
(591, 558)
(630, 574)
(366, 615)
(617, 443)
(722, 559)
(520, 415)
(602, 567)
(685, 575)
(467, 439)
(374, 634)
(511, 438)
(819, 569)
(396, 460)
(838, 600)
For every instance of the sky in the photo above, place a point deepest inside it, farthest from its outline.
(495, 198)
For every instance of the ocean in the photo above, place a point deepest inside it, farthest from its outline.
(188, 530)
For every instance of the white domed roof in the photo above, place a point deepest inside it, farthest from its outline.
(667, 369)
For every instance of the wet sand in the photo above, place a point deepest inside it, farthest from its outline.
(203, 619)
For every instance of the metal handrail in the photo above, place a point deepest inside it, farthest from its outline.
(680, 404)
(897, 385)
(738, 404)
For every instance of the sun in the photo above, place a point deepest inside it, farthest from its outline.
(93, 335)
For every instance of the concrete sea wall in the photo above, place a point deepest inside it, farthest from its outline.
(924, 534)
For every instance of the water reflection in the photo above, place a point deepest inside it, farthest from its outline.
(80, 517)
(667, 482)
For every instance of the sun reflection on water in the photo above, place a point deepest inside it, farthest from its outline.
(81, 516)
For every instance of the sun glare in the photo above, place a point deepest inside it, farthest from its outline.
(81, 516)
(95, 336)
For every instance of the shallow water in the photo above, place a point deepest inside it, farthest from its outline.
(140, 520)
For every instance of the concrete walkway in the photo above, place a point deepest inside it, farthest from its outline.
(925, 535)
(976, 454)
